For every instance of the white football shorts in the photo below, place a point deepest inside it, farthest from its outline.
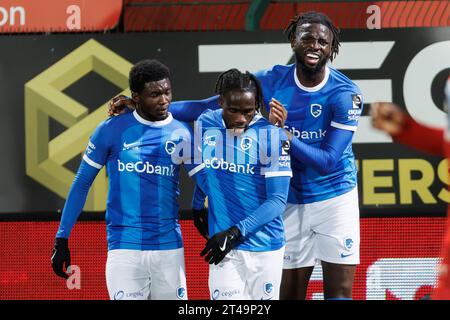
(247, 275)
(146, 274)
(322, 231)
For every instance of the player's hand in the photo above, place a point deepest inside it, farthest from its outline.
(220, 244)
(278, 113)
(119, 104)
(388, 117)
(61, 257)
(201, 222)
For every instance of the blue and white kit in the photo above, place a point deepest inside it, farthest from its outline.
(322, 120)
(247, 178)
(142, 210)
(322, 216)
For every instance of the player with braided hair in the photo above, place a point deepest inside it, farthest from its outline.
(319, 107)
(247, 168)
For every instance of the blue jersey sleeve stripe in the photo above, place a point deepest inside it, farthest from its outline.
(196, 169)
(92, 163)
(343, 126)
(278, 174)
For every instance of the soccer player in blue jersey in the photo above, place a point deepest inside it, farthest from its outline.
(145, 248)
(323, 107)
(247, 168)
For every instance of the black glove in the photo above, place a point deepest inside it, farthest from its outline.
(61, 256)
(220, 244)
(201, 222)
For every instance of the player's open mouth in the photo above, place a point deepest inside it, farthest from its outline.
(312, 58)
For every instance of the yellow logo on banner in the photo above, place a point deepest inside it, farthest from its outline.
(44, 99)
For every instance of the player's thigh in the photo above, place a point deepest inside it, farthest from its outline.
(168, 275)
(227, 280)
(264, 276)
(299, 251)
(127, 278)
(337, 233)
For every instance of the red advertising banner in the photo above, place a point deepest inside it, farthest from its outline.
(192, 15)
(399, 257)
(363, 14)
(58, 15)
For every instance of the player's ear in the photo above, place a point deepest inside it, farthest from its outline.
(293, 40)
(221, 101)
(135, 97)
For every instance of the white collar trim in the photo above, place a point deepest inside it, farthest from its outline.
(315, 88)
(153, 123)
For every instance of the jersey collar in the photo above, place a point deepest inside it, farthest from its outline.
(153, 123)
(315, 88)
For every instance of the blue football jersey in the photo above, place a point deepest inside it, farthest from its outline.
(335, 102)
(143, 165)
(236, 169)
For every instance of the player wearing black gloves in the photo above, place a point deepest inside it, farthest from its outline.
(61, 257)
(220, 244)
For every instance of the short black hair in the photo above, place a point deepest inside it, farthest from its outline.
(147, 71)
(314, 17)
(234, 79)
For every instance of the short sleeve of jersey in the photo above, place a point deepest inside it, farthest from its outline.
(347, 108)
(96, 153)
(265, 78)
(187, 153)
(279, 164)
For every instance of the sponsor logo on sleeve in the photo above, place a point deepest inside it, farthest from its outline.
(285, 147)
(357, 101)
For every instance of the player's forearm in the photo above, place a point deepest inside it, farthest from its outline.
(277, 189)
(421, 137)
(190, 110)
(198, 199)
(76, 198)
(325, 157)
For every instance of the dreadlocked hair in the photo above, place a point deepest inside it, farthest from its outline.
(233, 79)
(314, 17)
